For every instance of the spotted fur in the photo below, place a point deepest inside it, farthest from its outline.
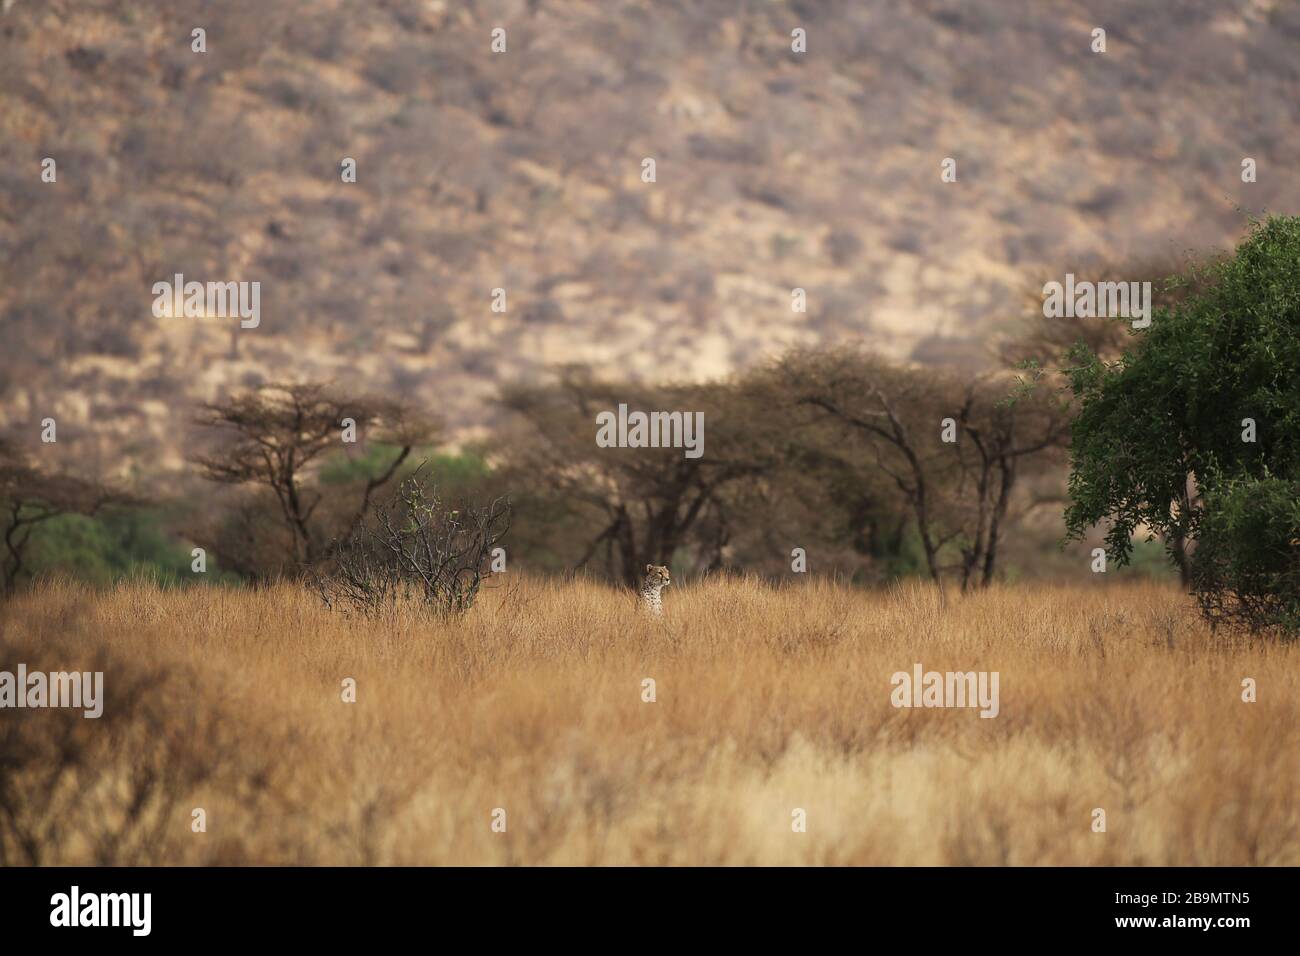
(656, 579)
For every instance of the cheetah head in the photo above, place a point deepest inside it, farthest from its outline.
(656, 576)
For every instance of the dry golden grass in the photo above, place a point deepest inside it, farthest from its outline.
(768, 699)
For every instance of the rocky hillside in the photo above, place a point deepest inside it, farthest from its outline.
(522, 170)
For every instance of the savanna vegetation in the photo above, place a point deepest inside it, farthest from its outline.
(207, 534)
(474, 601)
(767, 699)
(1177, 438)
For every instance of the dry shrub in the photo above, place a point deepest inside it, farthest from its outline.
(415, 548)
(113, 790)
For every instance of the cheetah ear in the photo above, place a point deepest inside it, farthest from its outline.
(649, 568)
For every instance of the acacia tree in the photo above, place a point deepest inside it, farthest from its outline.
(276, 436)
(1192, 432)
(641, 505)
(820, 491)
(959, 491)
(1008, 431)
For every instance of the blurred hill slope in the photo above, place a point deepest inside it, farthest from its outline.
(521, 171)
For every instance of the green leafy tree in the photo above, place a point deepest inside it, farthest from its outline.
(1202, 404)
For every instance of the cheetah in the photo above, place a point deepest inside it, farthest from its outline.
(656, 579)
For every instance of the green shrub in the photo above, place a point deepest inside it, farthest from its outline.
(1246, 567)
(108, 547)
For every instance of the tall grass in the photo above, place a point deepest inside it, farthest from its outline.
(768, 699)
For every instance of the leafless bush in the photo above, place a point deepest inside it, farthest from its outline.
(415, 546)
